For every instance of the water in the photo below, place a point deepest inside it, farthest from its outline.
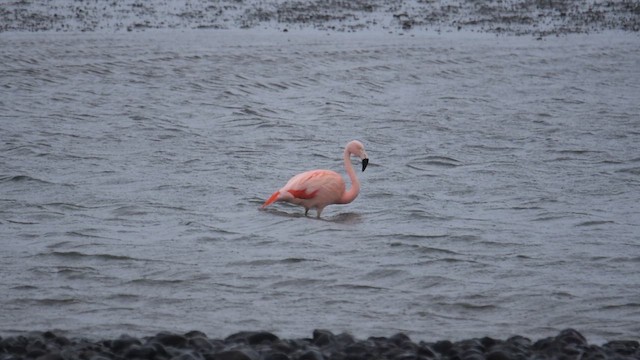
(501, 197)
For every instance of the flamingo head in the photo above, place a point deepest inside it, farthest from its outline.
(356, 148)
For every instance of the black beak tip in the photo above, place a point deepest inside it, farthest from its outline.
(365, 162)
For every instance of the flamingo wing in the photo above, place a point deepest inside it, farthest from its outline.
(311, 189)
(315, 187)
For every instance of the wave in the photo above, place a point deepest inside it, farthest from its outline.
(22, 179)
(76, 255)
(595, 223)
(271, 262)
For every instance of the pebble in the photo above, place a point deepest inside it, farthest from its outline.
(261, 345)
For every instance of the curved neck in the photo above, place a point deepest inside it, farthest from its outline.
(353, 192)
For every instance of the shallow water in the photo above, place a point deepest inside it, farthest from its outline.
(501, 197)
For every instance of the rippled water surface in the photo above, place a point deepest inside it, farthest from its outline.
(501, 197)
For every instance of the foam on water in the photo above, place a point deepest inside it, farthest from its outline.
(501, 197)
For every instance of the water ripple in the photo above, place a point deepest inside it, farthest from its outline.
(501, 195)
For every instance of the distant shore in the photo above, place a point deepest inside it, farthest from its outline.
(514, 17)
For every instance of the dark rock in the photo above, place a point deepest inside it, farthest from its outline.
(170, 339)
(259, 345)
(238, 338)
(48, 335)
(543, 345)
(474, 353)
(470, 345)
(389, 352)
(200, 343)
(36, 353)
(356, 348)
(98, 357)
(399, 339)
(569, 343)
(344, 339)
(405, 356)
(251, 338)
(187, 355)
(283, 346)
(389, 349)
(51, 356)
(323, 337)
(472, 356)
(571, 336)
(488, 342)
(195, 333)
(515, 347)
(499, 355)
(298, 345)
(520, 342)
(261, 337)
(410, 346)
(236, 354)
(425, 351)
(341, 356)
(123, 343)
(594, 353)
(159, 348)
(35, 348)
(623, 347)
(311, 355)
(140, 352)
(443, 347)
(276, 356)
(572, 350)
(15, 345)
(61, 341)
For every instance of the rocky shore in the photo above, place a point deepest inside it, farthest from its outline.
(519, 17)
(195, 345)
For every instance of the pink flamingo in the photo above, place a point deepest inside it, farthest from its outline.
(319, 188)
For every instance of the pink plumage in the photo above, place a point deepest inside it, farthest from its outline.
(319, 188)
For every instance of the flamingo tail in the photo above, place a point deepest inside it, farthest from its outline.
(271, 200)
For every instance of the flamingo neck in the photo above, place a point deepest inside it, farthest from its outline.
(353, 192)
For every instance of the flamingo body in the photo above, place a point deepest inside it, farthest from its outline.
(319, 188)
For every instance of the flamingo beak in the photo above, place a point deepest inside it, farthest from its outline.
(365, 162)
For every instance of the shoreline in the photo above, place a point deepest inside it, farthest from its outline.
(323, 344)
(270, 35)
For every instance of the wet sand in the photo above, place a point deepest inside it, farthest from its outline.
(517, 17)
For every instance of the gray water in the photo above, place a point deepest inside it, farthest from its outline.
(502, 196)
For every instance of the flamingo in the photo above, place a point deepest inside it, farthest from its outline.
(319, 188)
